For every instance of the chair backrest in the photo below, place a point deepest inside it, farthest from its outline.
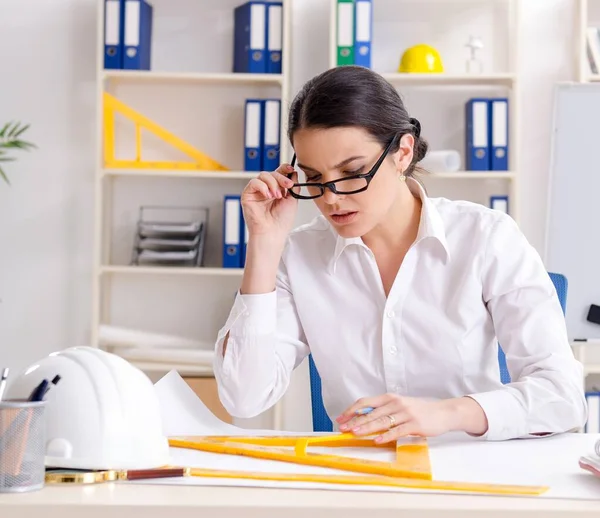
(321, 421)
(561, 285)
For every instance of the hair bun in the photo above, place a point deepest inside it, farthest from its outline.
(417, 126)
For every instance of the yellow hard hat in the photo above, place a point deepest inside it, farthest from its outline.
(421, 58)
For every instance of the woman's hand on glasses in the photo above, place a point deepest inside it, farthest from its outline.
(268, 209)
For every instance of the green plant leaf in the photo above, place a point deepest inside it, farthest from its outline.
(3, 130)
(21, 130)
(4, 177)
(19, 144)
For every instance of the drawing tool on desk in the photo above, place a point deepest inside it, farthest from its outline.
(3, 379)
(82, 476)
(373, 480)
(54, 382)
(411, 468)
(38, 392)
(412, 456)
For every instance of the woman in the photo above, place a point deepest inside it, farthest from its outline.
(400, 298)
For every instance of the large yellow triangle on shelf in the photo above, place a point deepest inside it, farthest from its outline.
(199, 160)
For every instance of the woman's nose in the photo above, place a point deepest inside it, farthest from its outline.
(330, 197)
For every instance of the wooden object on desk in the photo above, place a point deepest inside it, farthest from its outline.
(205, 387)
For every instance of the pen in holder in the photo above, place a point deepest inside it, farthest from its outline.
(22, 445)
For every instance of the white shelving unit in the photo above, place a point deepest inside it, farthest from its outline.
(398, 25)
(587, 15)
(193, 94)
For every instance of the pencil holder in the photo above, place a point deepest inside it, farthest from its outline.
(22, 446)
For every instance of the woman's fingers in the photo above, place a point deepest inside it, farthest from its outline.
(256, 185)
(272, 183)
(367, 403)
(382, 423)
(397, 432)
(373, 415)
(285, 175)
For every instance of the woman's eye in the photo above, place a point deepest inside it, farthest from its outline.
(355, 172)
(312, 178)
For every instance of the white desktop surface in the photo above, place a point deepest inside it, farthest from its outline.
(149, 501)
(550, 461)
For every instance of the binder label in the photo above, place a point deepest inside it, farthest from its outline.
(272, 123)
(275, 27)
(232, 223)
(345, 25)
(253, 125)
(111, 29)
(257, 26)
(500, 120)
(132, 24)
(480, 127)
(363, 25)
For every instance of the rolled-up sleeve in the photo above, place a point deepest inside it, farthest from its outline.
(265, 345)
(546, 392)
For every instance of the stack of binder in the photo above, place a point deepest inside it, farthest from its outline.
(127, 34)
(262, 121)
(486, 134)
(170, 236)
(258, 37)
(235, 232)
(354, 32)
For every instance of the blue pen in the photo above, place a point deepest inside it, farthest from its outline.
(3, 379)
(366, 410)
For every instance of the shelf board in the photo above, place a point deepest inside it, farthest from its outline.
(191, 77)
(591, 369)
(248, 175)
(471, 175)
(184, 369)
(450, 79)
(183, 173)
(171, 270)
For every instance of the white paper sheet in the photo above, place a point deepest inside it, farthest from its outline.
(550, 461)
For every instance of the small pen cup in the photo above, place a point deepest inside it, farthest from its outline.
(22, 446)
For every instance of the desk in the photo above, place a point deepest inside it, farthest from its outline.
(149, 501)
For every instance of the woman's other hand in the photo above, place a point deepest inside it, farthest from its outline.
(395, 416)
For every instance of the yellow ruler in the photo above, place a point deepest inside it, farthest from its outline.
(412, 459)
(199, 160)
(342, 440)
(365, 480)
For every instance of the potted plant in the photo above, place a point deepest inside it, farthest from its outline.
(9, 140)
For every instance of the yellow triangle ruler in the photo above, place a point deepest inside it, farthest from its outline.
(199, 160)
(411, 468)
(412, 459)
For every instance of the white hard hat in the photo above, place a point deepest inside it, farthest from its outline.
(103, 414)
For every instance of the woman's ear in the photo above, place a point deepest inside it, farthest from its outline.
(403, 157)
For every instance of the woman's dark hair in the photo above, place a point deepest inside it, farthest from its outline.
(356, 96)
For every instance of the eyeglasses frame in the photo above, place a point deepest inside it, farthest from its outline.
(331, 185)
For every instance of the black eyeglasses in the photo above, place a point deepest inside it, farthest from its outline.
(349, 185)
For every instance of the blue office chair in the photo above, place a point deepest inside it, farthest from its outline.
(321, 421)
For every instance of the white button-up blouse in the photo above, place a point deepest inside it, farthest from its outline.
(469, 281)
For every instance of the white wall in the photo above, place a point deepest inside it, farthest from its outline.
(47, 72)
(47, 59)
